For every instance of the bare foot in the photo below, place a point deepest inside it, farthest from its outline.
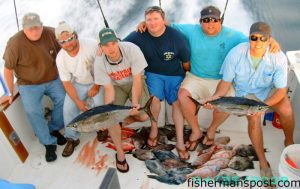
(210, 137)
(152, 139)
(193, 141)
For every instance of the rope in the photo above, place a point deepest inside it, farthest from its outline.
(16, 14)
(222, 18)
(105, 22)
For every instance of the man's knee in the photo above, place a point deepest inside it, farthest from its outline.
(182, 94)
(144, 117)
(284, 108)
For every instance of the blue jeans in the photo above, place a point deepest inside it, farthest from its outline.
(32, 98)
(71, 110)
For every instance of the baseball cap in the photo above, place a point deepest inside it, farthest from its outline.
(30, 20)
(260, 28)
(107, 35)
(210, 11)
(63, 27)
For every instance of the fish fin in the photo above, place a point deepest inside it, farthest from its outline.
(152, 176)
(198, 104)
(147, 109)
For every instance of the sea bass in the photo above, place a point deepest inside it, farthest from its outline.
(102, 117)
(239, 106)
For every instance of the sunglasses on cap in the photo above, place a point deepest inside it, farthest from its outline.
(154, 8)
(62, 42)
(255, 38)
(209, 19)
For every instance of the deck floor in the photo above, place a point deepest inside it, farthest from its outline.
(67, 173)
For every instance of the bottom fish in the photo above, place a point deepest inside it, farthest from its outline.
(241, 163)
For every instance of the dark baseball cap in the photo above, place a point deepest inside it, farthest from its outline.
(210, 12)
(107, 35)
(261, 28)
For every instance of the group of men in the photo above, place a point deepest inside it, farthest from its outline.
(203, 61)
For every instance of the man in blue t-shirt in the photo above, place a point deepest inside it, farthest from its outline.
(167, 53)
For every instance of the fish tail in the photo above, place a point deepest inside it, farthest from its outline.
(147, 109)
(198, 104)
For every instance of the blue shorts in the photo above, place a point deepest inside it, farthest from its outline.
(163, 87)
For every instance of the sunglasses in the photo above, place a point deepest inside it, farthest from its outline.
(154, 8)
(207, 20)
(62, 42)
(255, 38)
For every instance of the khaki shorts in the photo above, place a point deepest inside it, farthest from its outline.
(123, 93)
(201, 88)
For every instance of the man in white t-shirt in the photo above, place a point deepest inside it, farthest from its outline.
(120, 71)
(75, 66)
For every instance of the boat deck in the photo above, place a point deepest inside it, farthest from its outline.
(69, 173)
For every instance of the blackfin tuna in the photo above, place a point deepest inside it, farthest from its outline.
(239, 106)
(102, 117)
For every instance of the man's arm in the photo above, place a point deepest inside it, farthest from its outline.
(274, 46)
(222, 89)
(93, 90)
(9, 79)
(109, 94)
(278, 95)
(136, 89)
(71, 91)
(186, 66)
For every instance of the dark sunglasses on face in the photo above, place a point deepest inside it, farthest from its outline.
(67, 40)
(255, 38)
(207, 20)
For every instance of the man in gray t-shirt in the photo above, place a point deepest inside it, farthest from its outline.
(120, 71)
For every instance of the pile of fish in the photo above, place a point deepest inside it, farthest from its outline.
(210, 162)
(168, 168)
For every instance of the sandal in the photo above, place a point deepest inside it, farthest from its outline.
(153, 140)
(182, 152)
(124, 162)
(194, 143)
(209, 141)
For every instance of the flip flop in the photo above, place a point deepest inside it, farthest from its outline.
(210, 141)
(194, 143)
(124, 162)
(153, 140)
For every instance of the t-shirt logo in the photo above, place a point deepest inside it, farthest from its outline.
(168, 56)
(222, 45)
(119, 75)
